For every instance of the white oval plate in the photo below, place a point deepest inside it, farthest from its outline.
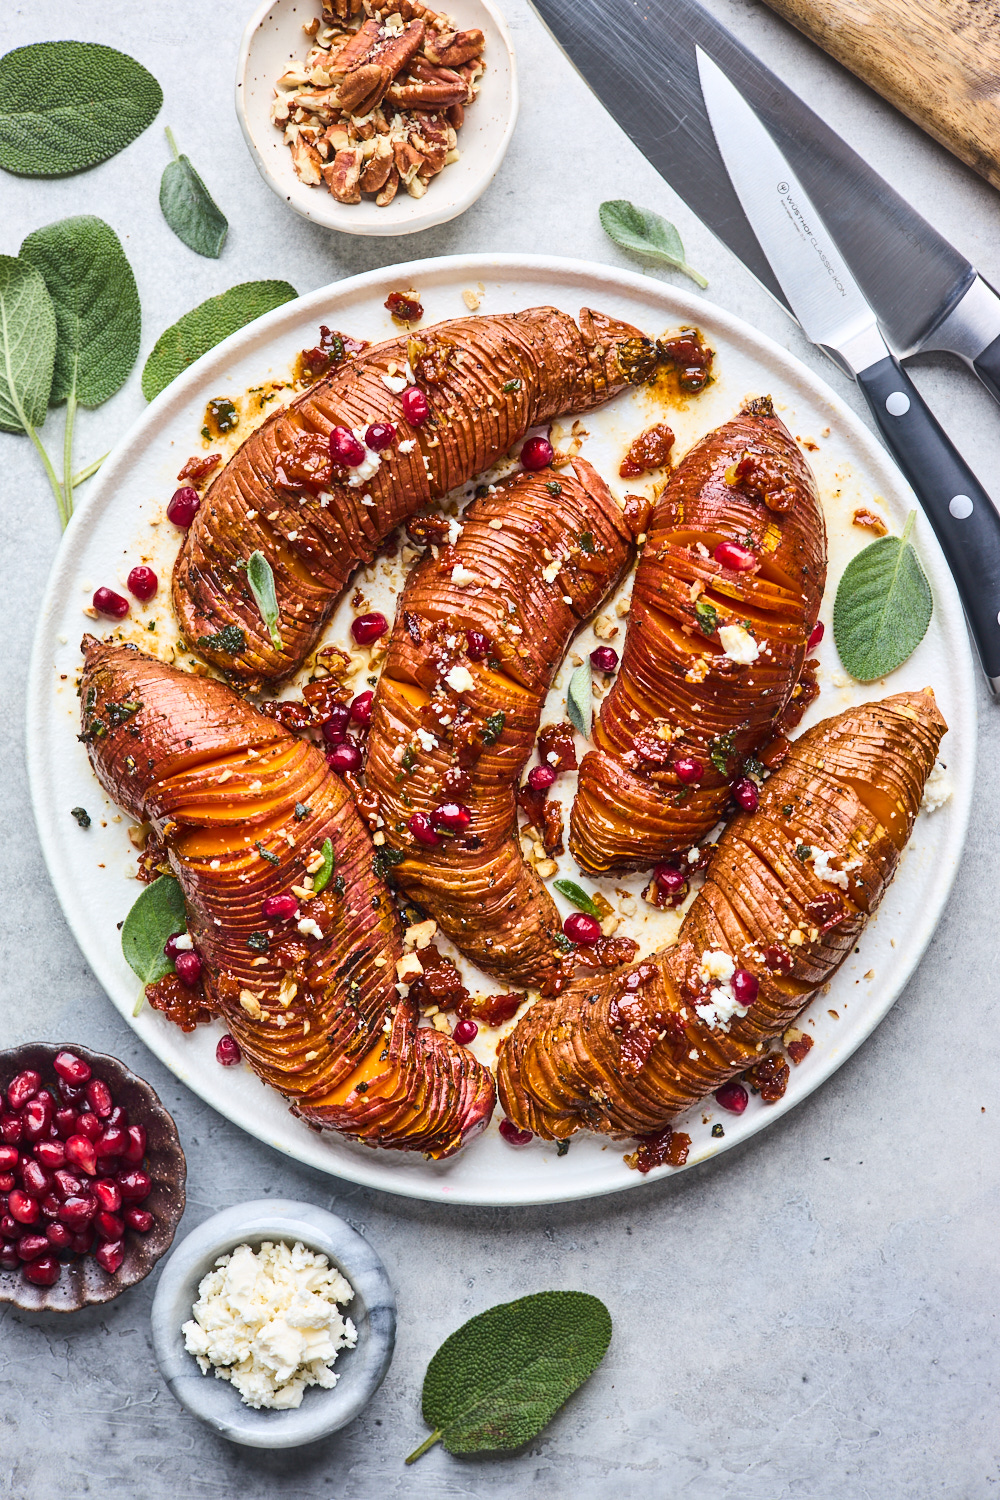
(121, 521)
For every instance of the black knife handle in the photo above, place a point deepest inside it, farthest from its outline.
(962, 514)
(987, 367)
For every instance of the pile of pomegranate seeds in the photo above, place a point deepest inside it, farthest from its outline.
(71, 1172)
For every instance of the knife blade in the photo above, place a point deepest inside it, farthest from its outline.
(833, 311)
(639, 58)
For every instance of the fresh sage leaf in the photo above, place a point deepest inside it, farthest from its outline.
(644, 232)
(156, 915)
(578, 896)
(883, 607)
(28, 339)
(261, 580)
(65, 106)
(580, 699)
(189, 208)
(321, 879)
(207, 325)
(501, 1377)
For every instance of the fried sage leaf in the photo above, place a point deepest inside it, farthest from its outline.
(207, 325)
(578, 896)
(261, 580)
(157, 913)
(65, 106)
(883, 607)
(643, 232)
(189, 207)
(501, 1377)
(580, 699)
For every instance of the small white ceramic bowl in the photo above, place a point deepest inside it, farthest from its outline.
(274, 38)
(372, 1310)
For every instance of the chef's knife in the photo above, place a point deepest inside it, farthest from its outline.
(830, 306)
(639, 58)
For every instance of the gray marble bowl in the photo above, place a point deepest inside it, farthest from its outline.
(361, 1369)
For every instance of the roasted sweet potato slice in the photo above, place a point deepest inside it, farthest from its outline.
(241, 805)
(785, 898)
(487, 381)
(455, 720)
(683, 692)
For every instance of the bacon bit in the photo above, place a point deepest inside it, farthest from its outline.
(607, 953)
(667, 1147)
(307, 462)
(531, 801)
(552, 828)
(690, 356)
(431, 366)
(557, 740)
(649, 451)
(638, 511)
(405, 307)
(870, 521)
(426, 531)
(291, 716)
(805, 691)
(199, 467)
(798, 1044)
(491, 1010)
(769, 1077)
(775, 752)
(440, 984)
(333, 348)
(183, 1004)
(323, 696)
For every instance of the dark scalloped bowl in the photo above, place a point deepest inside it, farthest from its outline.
(82, 1282)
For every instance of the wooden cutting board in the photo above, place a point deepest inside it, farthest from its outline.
(936, 60)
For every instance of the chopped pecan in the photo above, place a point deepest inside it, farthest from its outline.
(199, 467)
(375, 173)
(552, 828)
(391, 187)
(307, 162)
(342, 176)
(460, 48)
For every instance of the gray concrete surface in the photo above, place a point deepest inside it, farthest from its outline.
(811, 1317)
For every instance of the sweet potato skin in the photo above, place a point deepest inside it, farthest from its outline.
(487, 381)
(677, 694)
(477, 886)
(240, 804)
(626, 1056)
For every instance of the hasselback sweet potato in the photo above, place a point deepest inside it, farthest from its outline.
(683, 694)
(785, 898)
(486, 379)
(481, 629)
(241, 806)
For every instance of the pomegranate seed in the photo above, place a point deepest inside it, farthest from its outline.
(135, 1151)
(688, 769)
(11, 1129)
(738, 559)
(465, 1032)
(99, 1098)
(70, 1067)
(421, 828)
(779, 960)
(76, 1213)
(745, 986)
(43, 1272)
(9, 1227)
(110, 1255)
(671, 880)
(537, 453)
(50, 1206)
(580, 928)
(119, 1117)
(335, 727)
(71, 1093)
(280, 908)
(477, 645)
(135, 1185)
(416, 408)
(139, 1219)
(604, 658)
(9, 1157)
(89, 1125)
(8, 1258)
(36, 1180)
(109, 1226)
(112, 1142)
(67, 1186)
(344, 758)
(81, 1153)
(170, 947)
(379, 436)
(513, 1135)
(22, 1088)
(83, 1242)
(142, 582)
(38, 1114)
(817, 633)
(183, 507)
(368, 628)
(59, 1236)
(188, 967)
(107, 602)
(746, 793)
(51, 1154)
(540, 778)
(31, 1246)
(228, 1052)
(732, 1096)
(361, 708)
(22, 1208)
(455, 817)
(7, 1181)
(346, 451)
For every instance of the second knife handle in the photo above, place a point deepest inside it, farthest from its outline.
(962, 514)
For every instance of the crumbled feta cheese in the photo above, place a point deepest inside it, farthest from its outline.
(717, 965)
(820, 859)
(367, 500)
(455, 530)
(720, 1006)
(693, 855)
(269, 1322)
(460, 679)
(549, 573)
(407, 445)
(395, 383)
(184, 942)
(310, 928)
(738, 644)
(427, 740)
(937, 791)
(462, 576)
